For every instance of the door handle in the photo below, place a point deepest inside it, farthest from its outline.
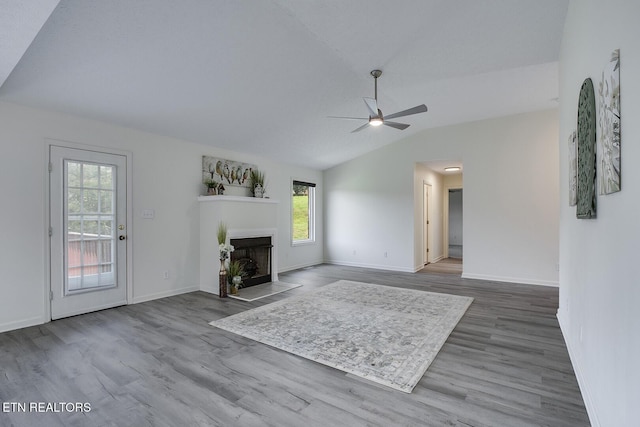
(122, 237)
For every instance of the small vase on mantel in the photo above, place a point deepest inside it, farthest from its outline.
(222, 293)
(258, 191)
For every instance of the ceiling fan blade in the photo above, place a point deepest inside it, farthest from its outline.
(415, 110)
(372, 106)
(348, 118)
(401, 126)
(360, 128)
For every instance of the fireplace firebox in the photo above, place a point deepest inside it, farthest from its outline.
(254, 255)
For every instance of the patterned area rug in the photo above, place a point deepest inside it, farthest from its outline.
(384, 334)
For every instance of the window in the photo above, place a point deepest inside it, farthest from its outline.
(303, 212)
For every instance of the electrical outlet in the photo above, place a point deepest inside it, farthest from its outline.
(166, 275)
(385, 254)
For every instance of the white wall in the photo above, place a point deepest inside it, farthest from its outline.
(373, 203)
(599, 285)
(453, 181)
(166, 178)
(366, 212)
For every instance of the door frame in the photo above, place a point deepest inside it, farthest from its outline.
(427, 195)
(47, 215)
(445, 219)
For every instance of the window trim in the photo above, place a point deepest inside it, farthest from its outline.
(312, 213)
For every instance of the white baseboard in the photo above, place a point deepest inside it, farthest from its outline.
(164, 294)
(34, 321)
(524, 281)
(211, 288)
(24, 323)
(299, 266)
(373, 266)
(582, 382)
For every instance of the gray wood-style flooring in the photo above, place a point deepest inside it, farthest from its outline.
(444, 266)
(161, 364)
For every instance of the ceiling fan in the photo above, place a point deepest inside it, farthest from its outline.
(376, 117)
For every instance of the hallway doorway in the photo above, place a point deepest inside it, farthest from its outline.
(455, 241)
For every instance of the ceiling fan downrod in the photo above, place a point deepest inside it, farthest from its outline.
(378, 119)
(376, 74)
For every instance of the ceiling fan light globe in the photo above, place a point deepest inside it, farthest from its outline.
(375, 121)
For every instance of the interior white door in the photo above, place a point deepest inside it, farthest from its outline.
(426, 222)
(88, 212)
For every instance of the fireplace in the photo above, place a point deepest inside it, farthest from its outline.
(255, 256)
(246, 218)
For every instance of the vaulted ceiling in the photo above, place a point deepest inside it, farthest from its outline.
(262, 76)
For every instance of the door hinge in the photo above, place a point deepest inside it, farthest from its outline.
(50, 295)
(427, 249)
(50, 231)
(50, 167)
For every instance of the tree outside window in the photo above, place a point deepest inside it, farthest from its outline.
(303, 212)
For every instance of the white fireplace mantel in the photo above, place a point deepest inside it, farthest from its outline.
(244, 217)
(239, 199)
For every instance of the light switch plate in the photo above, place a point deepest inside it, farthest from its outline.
(148, 214)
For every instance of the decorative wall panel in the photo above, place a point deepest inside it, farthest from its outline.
(586, 189)
(609, 126)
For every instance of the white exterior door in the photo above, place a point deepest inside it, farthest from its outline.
(88, 212)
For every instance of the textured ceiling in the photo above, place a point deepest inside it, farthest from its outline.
(262, 76)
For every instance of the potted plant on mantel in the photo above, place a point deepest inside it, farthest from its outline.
(212, 186)
(256, 183)
(235, 273)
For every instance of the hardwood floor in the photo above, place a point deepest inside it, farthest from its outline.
(444, 266)
(160, 364)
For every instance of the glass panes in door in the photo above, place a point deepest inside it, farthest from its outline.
(90, 223)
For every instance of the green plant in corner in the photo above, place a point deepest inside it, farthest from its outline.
(235, 269)
(225, 250)
(222, 233)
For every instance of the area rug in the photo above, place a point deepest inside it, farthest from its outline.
(384, 334)
(264, 290)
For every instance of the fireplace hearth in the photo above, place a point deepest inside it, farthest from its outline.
(254, 255)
